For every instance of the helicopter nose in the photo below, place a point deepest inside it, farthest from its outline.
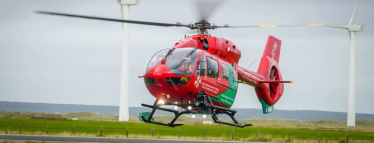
(160, 82)
(158, 76)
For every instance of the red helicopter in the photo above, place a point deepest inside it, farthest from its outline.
(200, 74)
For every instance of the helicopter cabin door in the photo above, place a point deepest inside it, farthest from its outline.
(227, 83)
(212, 77)
(207, 76)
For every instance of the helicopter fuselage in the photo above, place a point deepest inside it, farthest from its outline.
(199, 63)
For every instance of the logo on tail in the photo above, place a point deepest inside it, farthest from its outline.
(273, 52)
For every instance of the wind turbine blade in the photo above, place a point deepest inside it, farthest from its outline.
(354, 13)
(338, 26)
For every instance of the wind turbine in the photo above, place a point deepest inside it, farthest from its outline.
(352, 29)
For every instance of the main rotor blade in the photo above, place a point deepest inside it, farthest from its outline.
(113, 20)
(206, 8)
(354, 13)
(272, 26)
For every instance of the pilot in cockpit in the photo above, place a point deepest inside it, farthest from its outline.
(187, 65)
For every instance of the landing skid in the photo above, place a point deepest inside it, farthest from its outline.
(155, 107)
(236, 124)
(206, 105)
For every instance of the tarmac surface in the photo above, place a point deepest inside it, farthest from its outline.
(45, 138)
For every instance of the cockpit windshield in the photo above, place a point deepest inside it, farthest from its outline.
(156, 58)
(182, 61)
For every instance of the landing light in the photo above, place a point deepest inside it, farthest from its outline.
(189, 108)
(193, 116)
(175, 107)
(204, 116)
(161, 101)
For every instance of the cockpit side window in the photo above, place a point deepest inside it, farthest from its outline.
(155, 59)
(212, 68)
(225, 72)
(201, 68)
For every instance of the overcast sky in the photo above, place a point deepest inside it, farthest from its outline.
(55, 59)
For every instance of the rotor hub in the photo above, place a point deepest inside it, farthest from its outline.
(201, 26)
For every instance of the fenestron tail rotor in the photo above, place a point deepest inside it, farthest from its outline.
(272, 85)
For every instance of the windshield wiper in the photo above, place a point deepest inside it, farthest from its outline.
(170, 51)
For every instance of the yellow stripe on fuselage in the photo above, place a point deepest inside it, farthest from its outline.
(265, 26)
(316, 25)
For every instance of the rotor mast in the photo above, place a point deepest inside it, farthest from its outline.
(201, 26)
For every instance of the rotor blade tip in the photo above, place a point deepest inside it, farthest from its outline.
(40, 12)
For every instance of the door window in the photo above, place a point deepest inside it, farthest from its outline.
(225, 72)
(234, 76)
(201, 68)
(212, 68)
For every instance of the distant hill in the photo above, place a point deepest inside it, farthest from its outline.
(303, 115)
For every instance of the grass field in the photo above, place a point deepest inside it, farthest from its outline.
(270, 130)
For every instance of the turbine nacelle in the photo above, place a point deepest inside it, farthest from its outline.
(351, 28)
(355, 27)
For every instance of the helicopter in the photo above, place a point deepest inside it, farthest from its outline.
(200, 73)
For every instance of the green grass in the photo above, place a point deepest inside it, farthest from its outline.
(189, 131)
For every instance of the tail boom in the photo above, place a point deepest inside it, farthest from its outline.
(249, 77)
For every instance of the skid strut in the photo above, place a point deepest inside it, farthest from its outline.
(155, 107)
(207, 103)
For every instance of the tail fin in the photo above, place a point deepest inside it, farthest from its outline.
(270, 56)
(270, 92)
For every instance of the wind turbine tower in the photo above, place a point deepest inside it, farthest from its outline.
(124, 94)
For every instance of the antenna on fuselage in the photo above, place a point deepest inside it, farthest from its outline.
(251, 64)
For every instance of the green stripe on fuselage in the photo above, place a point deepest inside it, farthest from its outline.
(227, 97)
